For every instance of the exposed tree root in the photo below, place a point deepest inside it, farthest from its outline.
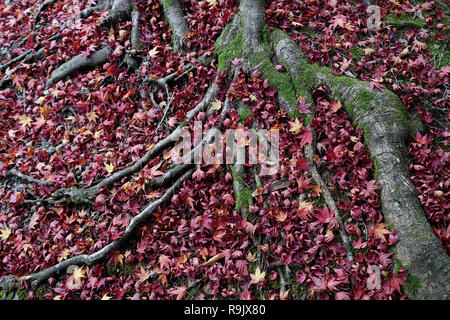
(175, 17)
(20, 175)
(329, 201)
(78, 62)
(120, 9)
(16, 59)
(42, 7)
(27, 59)
(35, 279)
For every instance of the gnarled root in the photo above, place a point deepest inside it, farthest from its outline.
(175, 17)
(35, 279)
(78, 62)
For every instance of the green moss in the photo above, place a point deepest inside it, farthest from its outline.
(243, 197)
(357, 53)
(168, 3)
(244, 112)
(40, 291)
(22, 294)
(440, 55)
(281, 80)
(126, 268)
(227, 53)
(404, 20)
(412, 282)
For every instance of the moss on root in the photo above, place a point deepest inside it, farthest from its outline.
(404, 20)
(243, 194)
(168, 3)
(244, 112)
(230, 51)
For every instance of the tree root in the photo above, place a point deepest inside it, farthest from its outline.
(28, 58)
(20, 175)
(329, 201)
(175, 17)
(120, 9)
(42, 7)
(78, 62)
(16, 59)
(35, 279)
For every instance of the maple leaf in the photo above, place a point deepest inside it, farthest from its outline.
(258, 276)
(143, 274)
(25, 121)
(303, 107)
(5, 233)
(284, 295)
(236, 61)
(380, 230)
(251, 257)
(306, 137)
(335, 106)
(341, 295)
(396, 282)
(109, 167)
(153, 53)
(296, 126)
(92, 117)
(216, 105)
(63, 255)
(78, 274)
(164, 261)
(180, 292)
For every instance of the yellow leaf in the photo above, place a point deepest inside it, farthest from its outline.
(253, 98)
(308, 206)
(106, 297)
(296, 126)
(63, 255)
(380, 230)
(78, 274)
(153, 53)
(214, 259)
(97, 134)
(109, 167)
(25, 121)
(258, 276)
(4, 234)
(251, 257)
(122, 34)
(111, 35)
(404, 52)
(55, 93)
(216, 105)
(92, 116)
(71, 118)
(212, 3)
(438, 193)
(143, 274)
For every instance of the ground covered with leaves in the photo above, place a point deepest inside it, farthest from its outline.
(198, 245)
